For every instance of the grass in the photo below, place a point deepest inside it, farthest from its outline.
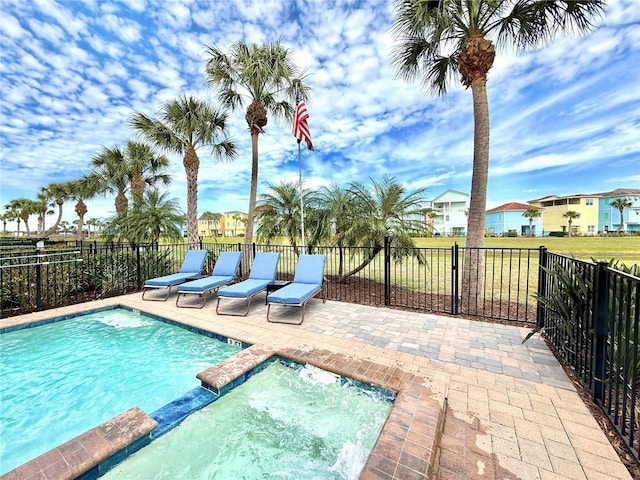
(626, 249)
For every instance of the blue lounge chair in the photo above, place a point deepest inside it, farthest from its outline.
(191, 269)
(224, 272)
(263, 272)
(307, 283)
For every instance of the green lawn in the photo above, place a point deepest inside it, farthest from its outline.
(625, 249)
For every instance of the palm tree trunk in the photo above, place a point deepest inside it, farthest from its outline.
(248, 233)
(473, 278)
(191, 165)
(54, 228)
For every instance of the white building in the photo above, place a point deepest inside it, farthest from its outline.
(450, 213)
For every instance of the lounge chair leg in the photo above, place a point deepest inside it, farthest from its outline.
(163, 299)
(246, 312)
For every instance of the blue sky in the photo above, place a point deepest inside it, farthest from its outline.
(565, 118)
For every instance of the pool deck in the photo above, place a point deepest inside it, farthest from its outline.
(473, 403)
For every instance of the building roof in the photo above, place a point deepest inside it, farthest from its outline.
(457, 192)
(513, 207)
(618, 192)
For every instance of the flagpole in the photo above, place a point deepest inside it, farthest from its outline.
(301, 201)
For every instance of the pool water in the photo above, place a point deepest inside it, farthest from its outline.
(286, 422)
(61, 379)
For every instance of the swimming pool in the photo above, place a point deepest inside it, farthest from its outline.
(288, 421)
(62, 378)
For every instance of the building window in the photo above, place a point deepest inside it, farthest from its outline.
(589, 201)
(606, 215)
(591, 229)
(446, 218)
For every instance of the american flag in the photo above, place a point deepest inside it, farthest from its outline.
(300, 126)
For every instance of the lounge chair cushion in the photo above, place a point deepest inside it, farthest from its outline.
(244, 289)
(264, 266)
(294, 293)
(194, 261)
(206, 283)
(310, 269)
(170, 280)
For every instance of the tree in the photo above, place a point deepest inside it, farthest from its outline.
(571, 215)
(23, 208)
(158, 216)
(335, 207)
(440, 39)
(80, 190)
(279, 213)
(264, 75)
(183, 126)
(129, 169)
(621, 203)
(386, 209)
(532, 213)
(59, 192)
(12, 212)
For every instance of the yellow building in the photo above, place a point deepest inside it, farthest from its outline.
(234, 223)
(577, 214)
(211, 225)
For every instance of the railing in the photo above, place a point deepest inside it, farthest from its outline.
(590, 313)
(422, 279)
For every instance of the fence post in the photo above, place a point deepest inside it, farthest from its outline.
(138, 269)
(600, 329)
(387, 270)
(542, 286)
(454, 278)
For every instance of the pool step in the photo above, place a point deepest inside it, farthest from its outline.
(79, 457)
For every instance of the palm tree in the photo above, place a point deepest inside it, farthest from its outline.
(440, 39)
(335, 207)
(12, 212)
(45, 202)
(158, 216)
(59, 192)
(23, 208)
(184, 125)
(621, 204)
(571, 215)
(129, 169)
(266, 77)
(386, 209)
(80, 190)
(532, 213)
(279, 213)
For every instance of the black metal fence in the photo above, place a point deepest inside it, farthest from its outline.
(422, 279)
(590, 312)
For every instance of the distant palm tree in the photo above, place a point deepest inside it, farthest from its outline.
(184, 125)
(59, 192)
(571, 215)
(45, 202)
(531, 213)
(279, 213)
(12, 212)
(80, 190)
(386, 209)
(337, 212)
(264, 75)
(129, 169)
(621, 204)
(157, 217)
(23, 208)
(439, 40)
